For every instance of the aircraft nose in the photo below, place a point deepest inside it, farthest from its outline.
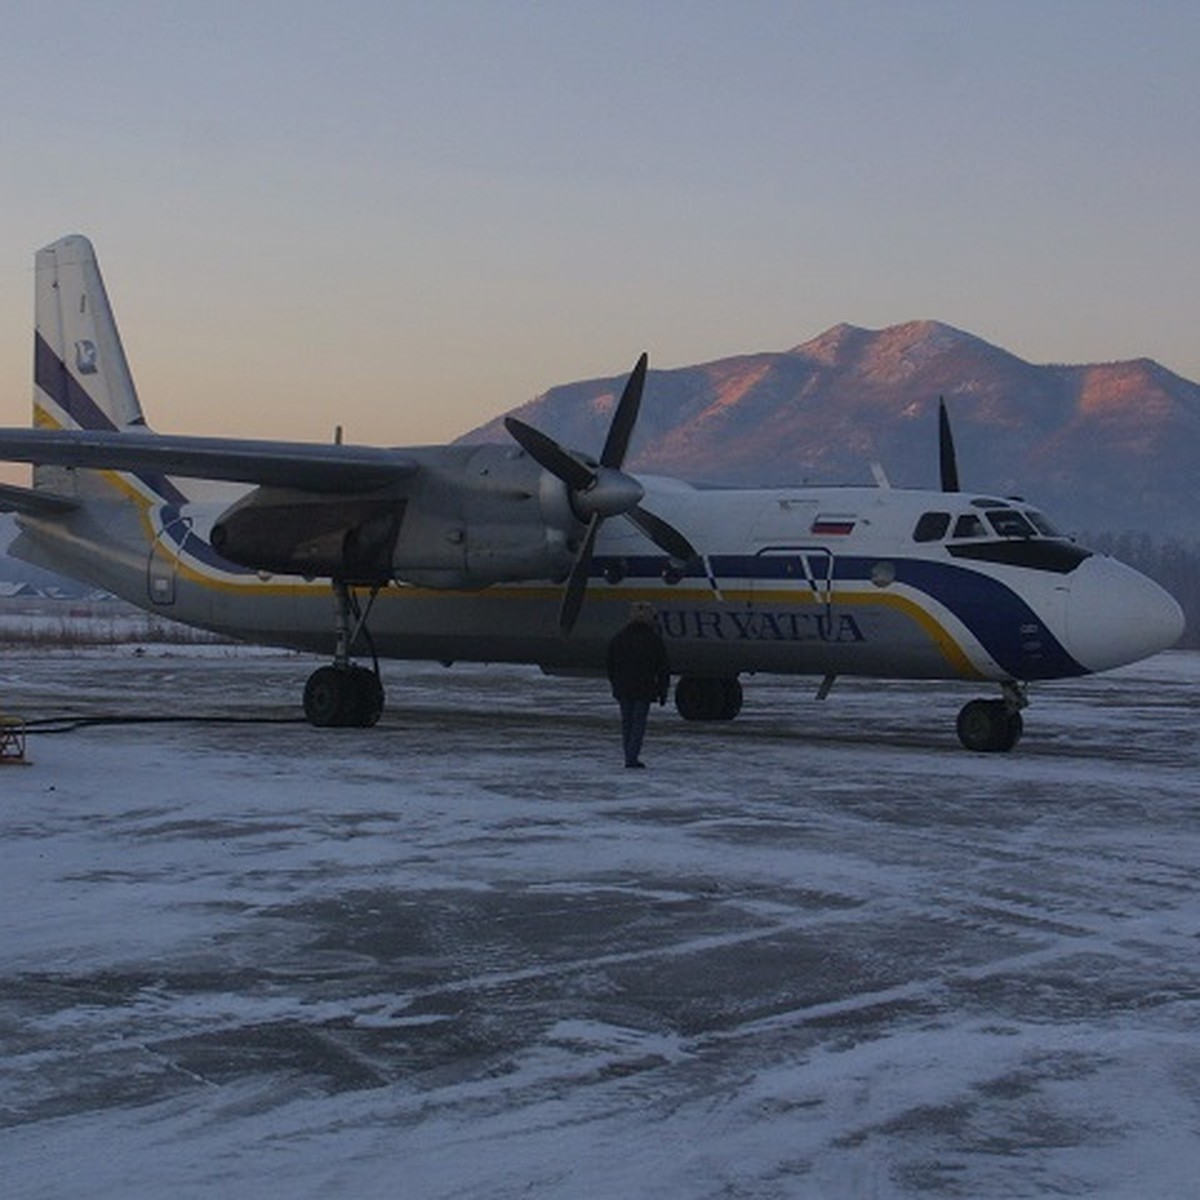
(1115, 615)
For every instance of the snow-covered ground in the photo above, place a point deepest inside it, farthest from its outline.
(820, 952)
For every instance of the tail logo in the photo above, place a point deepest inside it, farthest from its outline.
(86, 357)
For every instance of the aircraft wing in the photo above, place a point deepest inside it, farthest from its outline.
(306, 466)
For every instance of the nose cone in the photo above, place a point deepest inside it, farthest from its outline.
(1116, 615)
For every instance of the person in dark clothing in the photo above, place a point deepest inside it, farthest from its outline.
(639, 673)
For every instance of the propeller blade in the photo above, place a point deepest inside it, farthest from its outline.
(665, 537)
(577, 581)
(625, 417)
(947, 459)
(601, 490)
(546, 452)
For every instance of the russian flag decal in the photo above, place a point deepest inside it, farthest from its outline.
(833, 524)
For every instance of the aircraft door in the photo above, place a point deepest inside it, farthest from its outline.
(162, 567)
(782, 528)
(789, 567)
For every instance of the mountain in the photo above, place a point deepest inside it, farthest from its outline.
(1108, 446)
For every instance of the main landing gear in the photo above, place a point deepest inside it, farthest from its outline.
(993, 725)
(344, 694)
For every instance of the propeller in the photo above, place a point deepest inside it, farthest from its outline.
(600, 490)
(947, 459)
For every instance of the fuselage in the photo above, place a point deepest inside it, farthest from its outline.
(826, 581)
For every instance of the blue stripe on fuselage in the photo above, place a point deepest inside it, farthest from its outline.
(1004, 624)
(183, 539)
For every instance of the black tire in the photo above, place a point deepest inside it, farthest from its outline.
(733, 696)
(343, 697)
(1016, 727)
(987, 726)
(367, 698)
(325, 696)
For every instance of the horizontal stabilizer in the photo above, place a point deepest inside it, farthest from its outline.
(306, 466)
(35, 503)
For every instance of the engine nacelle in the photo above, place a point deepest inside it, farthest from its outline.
(307, 533)
(483, 515)
(469, 516)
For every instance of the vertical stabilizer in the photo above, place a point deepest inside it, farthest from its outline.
(81, 379)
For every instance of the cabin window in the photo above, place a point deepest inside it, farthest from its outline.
(1009, 523)
(931, 527)
(969, 525)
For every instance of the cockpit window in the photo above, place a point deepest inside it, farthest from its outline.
(1000, 521)
(1042, 525)
(931, 527)
(1009, 523)
(969, 526)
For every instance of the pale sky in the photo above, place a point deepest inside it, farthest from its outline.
(406, 218)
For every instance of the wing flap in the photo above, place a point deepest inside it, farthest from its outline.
(306, 466)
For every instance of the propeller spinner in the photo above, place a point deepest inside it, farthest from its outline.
(601, 490)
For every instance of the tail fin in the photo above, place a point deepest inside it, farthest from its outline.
(81, 379)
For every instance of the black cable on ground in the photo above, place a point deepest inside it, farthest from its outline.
(70, 724)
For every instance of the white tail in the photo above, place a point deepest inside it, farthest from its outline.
(81, 379)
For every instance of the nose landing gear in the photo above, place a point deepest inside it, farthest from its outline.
(993, 725)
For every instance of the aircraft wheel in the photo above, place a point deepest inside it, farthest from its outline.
(732, 698)
(325, 696)
(708, 699)
(989, 726)
(365, 697)
(343, 697)
(1016, 727)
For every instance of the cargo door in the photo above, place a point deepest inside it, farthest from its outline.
(162, 569)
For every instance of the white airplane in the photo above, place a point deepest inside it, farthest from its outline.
(513, 553)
